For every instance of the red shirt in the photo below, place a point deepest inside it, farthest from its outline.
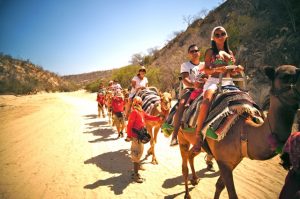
(117, 104)
(137, 120)
(100, 98)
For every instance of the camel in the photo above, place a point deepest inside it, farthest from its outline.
(153, 127)
(246, 140)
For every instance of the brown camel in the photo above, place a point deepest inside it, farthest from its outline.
(153, 127)
(246, 140)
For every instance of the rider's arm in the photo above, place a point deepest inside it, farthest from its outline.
(186, 79)
(210, 68)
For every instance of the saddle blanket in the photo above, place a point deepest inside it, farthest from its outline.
(227, 107)
(150, 99)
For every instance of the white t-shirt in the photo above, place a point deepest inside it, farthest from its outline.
(139, 83)
(193, 70)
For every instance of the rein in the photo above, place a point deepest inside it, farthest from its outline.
(278, 93)
(279, 144)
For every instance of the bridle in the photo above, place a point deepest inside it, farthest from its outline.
(278, 93)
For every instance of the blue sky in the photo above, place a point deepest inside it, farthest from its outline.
(77, 36)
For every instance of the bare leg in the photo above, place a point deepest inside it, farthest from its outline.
(204, 107)
(177, 118)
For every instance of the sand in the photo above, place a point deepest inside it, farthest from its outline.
(54, 146)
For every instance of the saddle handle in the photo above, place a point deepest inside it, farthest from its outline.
(243, 79)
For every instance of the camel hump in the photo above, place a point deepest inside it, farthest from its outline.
(153, 88)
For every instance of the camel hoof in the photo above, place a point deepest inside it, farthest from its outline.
(195, 181)
(187, 196)
(154, 162)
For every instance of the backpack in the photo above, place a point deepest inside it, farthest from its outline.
(142, 135)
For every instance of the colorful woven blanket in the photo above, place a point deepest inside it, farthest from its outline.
(226, 108)
(150, 99)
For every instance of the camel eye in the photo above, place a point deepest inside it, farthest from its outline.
(287, 78)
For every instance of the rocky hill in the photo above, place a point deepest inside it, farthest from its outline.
(260, 33)
(23, 77)
(86, 78)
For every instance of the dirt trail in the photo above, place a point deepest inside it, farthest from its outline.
(54, 146)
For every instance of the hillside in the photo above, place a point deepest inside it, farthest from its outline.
(260, 33)
(86, 78)
(23, 77)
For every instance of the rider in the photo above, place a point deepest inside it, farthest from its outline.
(138, 82)
(110, 86)
(187, 70)
(136, 121)
(116, 86)
(216, 59)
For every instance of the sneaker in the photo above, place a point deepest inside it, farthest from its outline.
(141, 167)
(210, 166)
(137, 178)
(127, 139)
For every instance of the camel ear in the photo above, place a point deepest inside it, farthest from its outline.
(270, 72)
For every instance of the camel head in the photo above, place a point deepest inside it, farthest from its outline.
(285, 84)
(165, 99)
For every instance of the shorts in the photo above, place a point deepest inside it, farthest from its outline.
(212, 83)
(137, 149)
(119, 120)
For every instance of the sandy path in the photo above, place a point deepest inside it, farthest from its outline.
(54, 146)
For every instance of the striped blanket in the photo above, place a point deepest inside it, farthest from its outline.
(150, 99)
(226, 108)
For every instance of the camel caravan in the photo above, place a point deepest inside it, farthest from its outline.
(235, 126)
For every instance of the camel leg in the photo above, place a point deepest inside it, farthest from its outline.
(150, 150)
(219, 188)
(191, 156)
(155, 132)
(227, 178)
(184, 150)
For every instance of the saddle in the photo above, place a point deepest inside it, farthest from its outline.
(227, 107)
(150, 99)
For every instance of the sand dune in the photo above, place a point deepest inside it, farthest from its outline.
(54, 146)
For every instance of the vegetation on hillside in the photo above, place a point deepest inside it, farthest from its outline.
(23, 77)
(260, 33)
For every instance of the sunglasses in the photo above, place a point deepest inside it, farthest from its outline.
(194, 51)
(223, 34)
(142, 70)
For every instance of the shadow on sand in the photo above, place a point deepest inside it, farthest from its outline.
(117, 162)
(172, 182)
(105, 132)
(91, 116)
